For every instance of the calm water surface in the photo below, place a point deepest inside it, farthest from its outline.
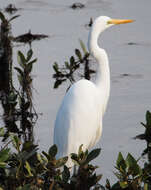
(130, 95)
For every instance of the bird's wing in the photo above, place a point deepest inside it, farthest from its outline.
(78, 119)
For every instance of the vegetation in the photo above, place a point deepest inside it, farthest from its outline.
(68, 70)
(23, 166)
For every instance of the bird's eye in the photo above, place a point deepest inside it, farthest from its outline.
(108, 22)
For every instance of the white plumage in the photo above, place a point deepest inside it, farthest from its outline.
(79, 119)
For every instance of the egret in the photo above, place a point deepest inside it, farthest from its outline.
(79, 119)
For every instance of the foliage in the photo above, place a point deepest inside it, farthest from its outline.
(147, 134)
(19, 114)
(26, 168)
(66, 72)
(19, 102)
(4, 19)
(131, 176)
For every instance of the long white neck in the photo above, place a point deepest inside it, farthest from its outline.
(102, 81)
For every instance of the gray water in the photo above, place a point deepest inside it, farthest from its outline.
(130, 95)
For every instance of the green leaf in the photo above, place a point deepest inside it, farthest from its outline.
(123, 184)
(55, 67)
(146, 186)
(29, 67)
(141, 136)
(29, 145)
(42, 159)
(25, 187)
(108, 186)
(29, 55)
(14, 17)
(67, 65)
(83, 47)
(148, 118)
(121, 162)
(33, 61)
(46, 155)
(80, 151)
(132, 165)
(27, 166)
(4, 154)
(98, 178)
(130, 161)
(58, 83)
(65, 174)
(116, 186)
(144, 125)
(19, 71)
(78, 54)
(2, 131)
(2, 17)
(2, 164)
(61, 162)
(12, 97)
(16, 142)
(82, 156)
(75, 159)
(21, 59)
(93, 154)
(20, 79)
(72, 61)
(53, 151)
(119, 175)
(27, 155)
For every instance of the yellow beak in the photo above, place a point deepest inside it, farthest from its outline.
(119, 21)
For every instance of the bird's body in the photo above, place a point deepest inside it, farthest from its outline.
(75, 122)
(79, 119)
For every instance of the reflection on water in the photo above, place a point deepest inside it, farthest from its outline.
(11, 9)
(29, 37)
(77, 6)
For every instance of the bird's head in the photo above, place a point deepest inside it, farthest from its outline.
(103, 22)
(100, 24)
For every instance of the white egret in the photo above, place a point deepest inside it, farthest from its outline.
(79, 119)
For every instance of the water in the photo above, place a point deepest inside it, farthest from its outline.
(130, 94)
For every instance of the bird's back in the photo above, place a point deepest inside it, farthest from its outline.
(79, 119)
